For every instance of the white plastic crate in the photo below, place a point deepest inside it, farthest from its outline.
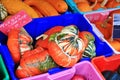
(100, 16)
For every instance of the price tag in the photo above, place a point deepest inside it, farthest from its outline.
(116, 24)
(17, 21)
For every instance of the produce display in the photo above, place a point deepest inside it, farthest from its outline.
(114, 42)
(106, 28)
(60, 44)
(13, 6)
(89, 41)
(34, 8)
(18, 42)
(71, 45)
(92, 5)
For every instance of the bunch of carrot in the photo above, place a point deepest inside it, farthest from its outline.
(91, 5)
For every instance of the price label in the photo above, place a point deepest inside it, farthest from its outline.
(116, 24)
(17, 21)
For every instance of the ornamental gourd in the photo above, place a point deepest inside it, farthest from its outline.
(90, 47)
(65, 47)
(37, 63)
(18, 42)
(3, 12)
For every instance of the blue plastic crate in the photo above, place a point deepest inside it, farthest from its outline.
(73, 7)
(40, 25)
(3, 38)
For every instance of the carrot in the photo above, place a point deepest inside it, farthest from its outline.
(60, 5)
(14, 6)
(44, 7)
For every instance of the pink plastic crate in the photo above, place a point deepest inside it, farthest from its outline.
(37, 77)
(84, 68)
(100, 16)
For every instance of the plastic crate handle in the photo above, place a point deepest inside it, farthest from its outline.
(97, 32)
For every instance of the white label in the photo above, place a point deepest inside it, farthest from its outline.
(116, 24)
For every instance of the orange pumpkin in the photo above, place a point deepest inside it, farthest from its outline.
(115, 44)
(105, 28)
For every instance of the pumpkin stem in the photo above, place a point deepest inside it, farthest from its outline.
(105, 22)
(93, 5)
(104, 3)
(43, 36)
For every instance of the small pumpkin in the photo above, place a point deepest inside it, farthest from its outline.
(3, 12)
(65, 47)
(90, 47)
(90, 50)
(105, 28)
